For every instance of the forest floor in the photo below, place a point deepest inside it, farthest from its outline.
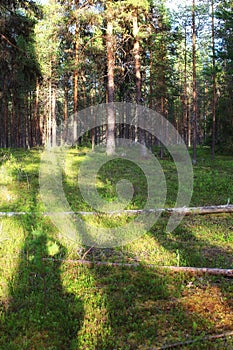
(49, 301)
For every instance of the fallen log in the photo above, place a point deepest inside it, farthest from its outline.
(191, 270)
(192, 341)
(213, 209)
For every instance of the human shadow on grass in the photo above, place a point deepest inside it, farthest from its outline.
(40, 314)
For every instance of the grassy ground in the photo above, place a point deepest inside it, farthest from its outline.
(57, 304)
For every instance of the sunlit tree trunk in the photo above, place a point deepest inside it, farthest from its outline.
(6, 116)
(194, 116)
(37, 115)
(75, 117)
(185, 97)
(136, 52)
(53, 117)
(214, 83)
(139, 133)
(66, 102)
(49, 121)
(110, 84)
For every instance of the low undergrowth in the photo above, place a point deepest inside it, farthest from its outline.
(48, 301)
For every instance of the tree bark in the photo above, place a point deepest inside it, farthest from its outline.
(185, 98)
(139, 133)
(214, 84)
(110, 149)
(194, 119)
(75, 117)
(53, 114)
(191, 270)
(218, 209)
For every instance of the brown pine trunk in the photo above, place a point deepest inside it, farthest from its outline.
(194, 121)
(137, 64)
(151, 80)
(185, 97)
(110, 149)
(214, 85)
(66, 102)
(53, 115)
(139, 134)
(26, 124)
(136, 52)
(6, 116)
(36, 115)
(49, 119)
(75, 117)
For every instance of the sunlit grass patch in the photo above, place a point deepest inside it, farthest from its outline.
(48, 300)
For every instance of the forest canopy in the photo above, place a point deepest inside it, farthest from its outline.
(59, 58)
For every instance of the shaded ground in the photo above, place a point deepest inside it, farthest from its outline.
(60, 305)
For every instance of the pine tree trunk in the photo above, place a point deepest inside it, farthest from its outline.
(185, 98)
(66, 102)
(6, 124)
(75, 117)
(53, 113)
(110, 149)
(139, 133)
(194, 119)
(36, 115)
(49, 120)
(214, 85)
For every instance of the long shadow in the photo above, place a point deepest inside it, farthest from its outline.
(148, 306)
(144, 305)
(193, 250)
(40, 314)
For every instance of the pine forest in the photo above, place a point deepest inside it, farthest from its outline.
(62, 57)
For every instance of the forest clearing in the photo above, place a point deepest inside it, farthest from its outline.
(116, 175)
(51, 301)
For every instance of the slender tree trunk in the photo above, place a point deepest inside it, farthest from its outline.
(194, 119)
(139, 134)
(53, 115)
(214, 85)
(6, 116)
(49, 121)
(151, 80)
(31, 119)
(36, 114)
(136, 52)
(75, 117)
(26, 122)
(185, 98)
(66, 102)
(110, 85)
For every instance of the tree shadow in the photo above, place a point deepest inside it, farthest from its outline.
(149, 307)
(152, 307)
(137, 308)
(192, 249)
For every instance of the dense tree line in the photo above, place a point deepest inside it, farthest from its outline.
(67, 55)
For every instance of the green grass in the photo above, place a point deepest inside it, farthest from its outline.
(59, 304)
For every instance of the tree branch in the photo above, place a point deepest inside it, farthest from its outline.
(191, 270)
(187, 342)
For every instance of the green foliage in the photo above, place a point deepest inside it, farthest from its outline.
(141, 5)
(225, 56)
(48, 302)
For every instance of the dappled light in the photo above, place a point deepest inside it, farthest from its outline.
(116, 175)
